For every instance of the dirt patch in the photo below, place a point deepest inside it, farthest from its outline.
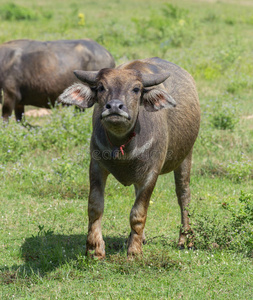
(248, 117)
(38, 112)
(243, 3)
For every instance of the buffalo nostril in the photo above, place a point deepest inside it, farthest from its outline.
(114, 105)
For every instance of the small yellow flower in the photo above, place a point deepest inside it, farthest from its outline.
(181, 22)
(81, 18)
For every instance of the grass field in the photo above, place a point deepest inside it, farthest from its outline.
(44, 170)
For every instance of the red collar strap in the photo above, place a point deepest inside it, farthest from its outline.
(115, 151)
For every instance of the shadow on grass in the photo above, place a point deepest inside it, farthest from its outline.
(43, 254)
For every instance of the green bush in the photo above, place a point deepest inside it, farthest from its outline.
(239, 170)
(225, 115)
(115, 34)
(230, 21)
(174, 12)
(228, 54)
(170, 27)
(11, 11)
(241, 223)
(211, 17)
(234, 232)
(238, 83)
(14, 12)
(224, 119)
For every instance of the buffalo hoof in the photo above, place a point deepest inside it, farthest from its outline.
(186, 239)
(134, 245)
(97, 250)
(133, 253)
(189, 247)
(180, 247)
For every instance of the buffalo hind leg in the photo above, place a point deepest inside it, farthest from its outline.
(95, 245)
(19, 111)
(182, 181)
(138, 216)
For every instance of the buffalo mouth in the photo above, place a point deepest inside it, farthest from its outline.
(117, 116)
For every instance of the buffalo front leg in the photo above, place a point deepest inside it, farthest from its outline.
(182, 181)
(95, 244)
(138, 216)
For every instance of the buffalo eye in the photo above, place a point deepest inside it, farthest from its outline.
(136, 90)
(101, 88)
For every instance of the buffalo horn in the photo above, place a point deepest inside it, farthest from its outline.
(86, 76)
(154, 79)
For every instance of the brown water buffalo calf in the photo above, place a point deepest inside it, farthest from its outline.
(145, 122)
(36, 73)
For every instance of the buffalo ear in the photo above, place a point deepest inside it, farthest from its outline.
(78, 94)
(155, 99)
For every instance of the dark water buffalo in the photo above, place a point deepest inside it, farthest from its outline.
(36, 73)
(145, 122)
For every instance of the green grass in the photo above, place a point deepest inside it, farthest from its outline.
(44, 171)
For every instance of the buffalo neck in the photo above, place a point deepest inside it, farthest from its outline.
(120, 143)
